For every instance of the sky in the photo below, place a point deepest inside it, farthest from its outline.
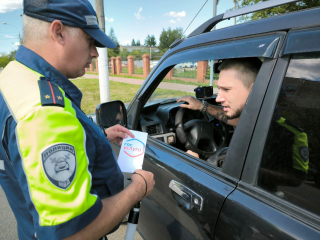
(129, 19)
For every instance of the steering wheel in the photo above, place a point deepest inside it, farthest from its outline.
(200, 136)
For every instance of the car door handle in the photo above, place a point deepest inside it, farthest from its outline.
(185, 196)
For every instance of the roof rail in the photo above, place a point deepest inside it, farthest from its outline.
(208, 25)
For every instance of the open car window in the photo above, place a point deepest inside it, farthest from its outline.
(184, 78)
(200, 132)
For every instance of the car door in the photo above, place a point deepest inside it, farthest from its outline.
(263, 207)
(189, 193)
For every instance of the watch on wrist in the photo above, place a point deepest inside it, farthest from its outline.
(204, 106)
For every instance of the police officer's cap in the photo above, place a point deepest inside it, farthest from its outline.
(74, 13)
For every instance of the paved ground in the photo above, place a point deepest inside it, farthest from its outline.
(164, 85)
(8, 224)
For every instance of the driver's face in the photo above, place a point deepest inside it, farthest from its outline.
(232, 93)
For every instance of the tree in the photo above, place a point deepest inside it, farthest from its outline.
(150, 41)
(124, 53)
(167, 37)
(112, 35)
(290, 7)
(116, 51)
(133, 43)
(138, 43)
(6, 58)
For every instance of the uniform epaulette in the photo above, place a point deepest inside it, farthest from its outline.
(294, 125)
(50, 93)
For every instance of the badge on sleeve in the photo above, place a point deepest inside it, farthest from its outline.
(59, 164)
(304, 152)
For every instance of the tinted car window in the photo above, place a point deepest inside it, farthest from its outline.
(290, 166)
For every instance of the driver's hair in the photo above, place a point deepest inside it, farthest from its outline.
(36, 30)
(247, 68)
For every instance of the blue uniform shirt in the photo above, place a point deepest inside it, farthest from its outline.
(54, 182)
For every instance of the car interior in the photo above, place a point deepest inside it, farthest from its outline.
(163, 118)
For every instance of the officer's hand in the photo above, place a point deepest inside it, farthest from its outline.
(137, 179)
(193, 104)
(117, 133)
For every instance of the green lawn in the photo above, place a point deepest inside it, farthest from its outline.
(118, 91)
(183, 73)
(192, 73)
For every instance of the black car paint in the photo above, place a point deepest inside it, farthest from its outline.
(233, 207)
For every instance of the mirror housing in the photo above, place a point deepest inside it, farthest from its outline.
(111, 113)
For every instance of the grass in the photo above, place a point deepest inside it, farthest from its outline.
(136, 70)
(192, 73)
(187, 83)
(118, 91)
(183, 73)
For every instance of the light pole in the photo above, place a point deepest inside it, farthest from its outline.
(104, 83)
(215, 3)
(235, 7)
(20, 39)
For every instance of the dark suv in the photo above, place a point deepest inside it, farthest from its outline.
(225, 199)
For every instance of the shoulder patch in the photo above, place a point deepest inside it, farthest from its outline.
(304, 152)
(59, 164)
(50, 93)
(294, 125)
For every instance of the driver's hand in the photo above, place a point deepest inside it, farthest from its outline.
(193, 153)
(193, 103)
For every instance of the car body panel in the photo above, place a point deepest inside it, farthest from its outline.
(233, 207)
(245, 216)
(190, 223)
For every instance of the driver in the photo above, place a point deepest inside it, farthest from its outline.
(236, 79)
(235, 82)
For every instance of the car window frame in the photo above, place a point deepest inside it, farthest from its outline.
(248, 182)
(234, 169)
(301, 41)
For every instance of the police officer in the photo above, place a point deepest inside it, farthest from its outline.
(285, 160)
(57, 169)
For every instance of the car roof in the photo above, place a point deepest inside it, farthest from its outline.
(285, 22)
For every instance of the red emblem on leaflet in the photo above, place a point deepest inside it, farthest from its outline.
(134, 148)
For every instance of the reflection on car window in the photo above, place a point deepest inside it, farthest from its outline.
(290, 166)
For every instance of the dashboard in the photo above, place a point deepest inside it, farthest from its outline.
(158, 120)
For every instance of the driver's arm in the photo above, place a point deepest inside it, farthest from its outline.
(193, 153)
(215, 111)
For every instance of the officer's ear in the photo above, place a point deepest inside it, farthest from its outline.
(57, 32)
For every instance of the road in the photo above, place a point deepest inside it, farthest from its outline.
(8, 226)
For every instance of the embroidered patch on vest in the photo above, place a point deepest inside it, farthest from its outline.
(304, 152)
(59, 164)
(50, 93)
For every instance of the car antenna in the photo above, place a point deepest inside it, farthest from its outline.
(194, 17)
(179, 40)
(208, 25)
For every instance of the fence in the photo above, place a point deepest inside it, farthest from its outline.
(198, 72)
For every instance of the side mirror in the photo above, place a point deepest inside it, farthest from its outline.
(111, 113)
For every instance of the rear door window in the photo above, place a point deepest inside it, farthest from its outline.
(290, 166)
